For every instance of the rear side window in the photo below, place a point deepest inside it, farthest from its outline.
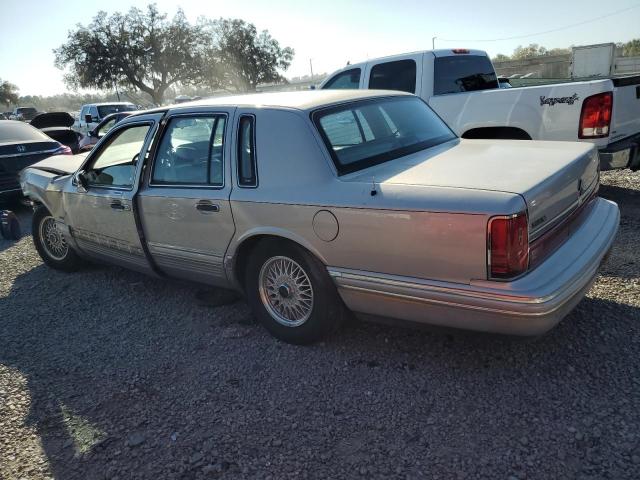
(247, 173)
(399, 75)
(345, 80)
(463, 73)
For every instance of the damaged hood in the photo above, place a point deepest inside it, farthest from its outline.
(61, 164)
(53, 119)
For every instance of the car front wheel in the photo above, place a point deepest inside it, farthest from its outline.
(291, 294)
(51, 244)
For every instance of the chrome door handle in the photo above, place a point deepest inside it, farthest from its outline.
(207, 207)
(118, 205)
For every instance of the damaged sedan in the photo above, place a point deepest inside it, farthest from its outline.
(312, 204)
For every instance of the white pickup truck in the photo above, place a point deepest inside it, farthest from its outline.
(462, 87)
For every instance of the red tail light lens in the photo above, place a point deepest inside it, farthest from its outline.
(508, 242)
(595, 118)
(460, 51)
(63, 150)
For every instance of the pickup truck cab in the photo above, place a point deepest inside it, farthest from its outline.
(92, 114)
(462, 87)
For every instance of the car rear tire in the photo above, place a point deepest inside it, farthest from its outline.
(50, 243)
(291, 294)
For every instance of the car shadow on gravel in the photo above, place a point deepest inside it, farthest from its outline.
(130, 376)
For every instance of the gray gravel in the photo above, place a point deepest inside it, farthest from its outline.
(107, 374)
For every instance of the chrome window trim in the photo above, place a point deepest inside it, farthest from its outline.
(40, 152)
(206, 186)
(255, 151)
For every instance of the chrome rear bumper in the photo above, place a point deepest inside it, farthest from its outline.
(530, 305)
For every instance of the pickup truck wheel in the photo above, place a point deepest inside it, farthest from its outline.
(50, 243)
(291, 294)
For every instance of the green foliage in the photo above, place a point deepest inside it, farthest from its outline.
(8, 93)
(241, 58)
(531, 51)
(631, 48)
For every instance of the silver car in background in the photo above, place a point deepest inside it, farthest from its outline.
(315, 203)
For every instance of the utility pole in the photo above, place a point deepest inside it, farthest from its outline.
(311, 66)
(115, 85)
(433, 43)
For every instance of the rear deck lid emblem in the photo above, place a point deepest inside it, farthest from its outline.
(21, 148)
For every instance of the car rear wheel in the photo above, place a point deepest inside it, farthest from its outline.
(51, 244)
(291, 294)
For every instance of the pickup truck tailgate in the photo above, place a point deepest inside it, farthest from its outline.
(626, 108)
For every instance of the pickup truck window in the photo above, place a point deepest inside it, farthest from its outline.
(104, 110)
(349, 79)
(190, 152)
(399, 75)
(366, 133)
(247, 173)
(115, 163)
(463, 73)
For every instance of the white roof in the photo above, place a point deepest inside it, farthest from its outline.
(301, 100)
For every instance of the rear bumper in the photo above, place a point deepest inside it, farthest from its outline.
(530, 305)
(621, 154)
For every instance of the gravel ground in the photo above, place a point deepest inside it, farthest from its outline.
(107, 374)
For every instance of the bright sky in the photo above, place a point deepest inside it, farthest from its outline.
(330, 32)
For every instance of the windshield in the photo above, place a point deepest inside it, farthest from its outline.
(20, 132)
(369, 132)
(463, 73)
(104, 110)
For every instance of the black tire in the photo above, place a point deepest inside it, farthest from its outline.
(327, 310)
(67, 260)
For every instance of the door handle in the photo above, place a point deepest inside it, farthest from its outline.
(206, 206)
(118, 205)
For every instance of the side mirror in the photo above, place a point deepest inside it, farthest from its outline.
(81, 181)
(88, 118)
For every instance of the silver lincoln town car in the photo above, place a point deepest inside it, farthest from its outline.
(315, 203)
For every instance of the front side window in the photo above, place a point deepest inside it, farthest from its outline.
(94, 113)
(366, 133)
(463, 73)
(399, 75)
(106, 126)
(190, 152)
(115, 164)
(247, 173)
(344, 80)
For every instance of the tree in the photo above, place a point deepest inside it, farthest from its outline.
(139, 50)
(501, 57)
(533, 50)
(8, 93)
(631, 48)
(242, 58)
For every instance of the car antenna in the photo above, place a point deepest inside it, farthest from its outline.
(374, 191)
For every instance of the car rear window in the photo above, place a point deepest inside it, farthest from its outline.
(104, 110)
(20, 132)
(463, 73)
(365, 133)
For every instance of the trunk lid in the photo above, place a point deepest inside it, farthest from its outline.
(52, 119)
(553, 178)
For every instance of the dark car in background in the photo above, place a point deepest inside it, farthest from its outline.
(25, 114)
(22, 145)
(57, 125)
(88, 141)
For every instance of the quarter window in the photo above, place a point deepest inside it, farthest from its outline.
(191, 152)
(115, 164)
(247, 174)
(345, 80)
(399, 75)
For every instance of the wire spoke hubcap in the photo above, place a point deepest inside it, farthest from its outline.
(286, 291)
(52, 239)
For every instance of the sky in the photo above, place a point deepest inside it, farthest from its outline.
(330, 32)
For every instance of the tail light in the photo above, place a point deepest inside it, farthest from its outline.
(63, 150)
(595, 117)
(508, 246)
(459, 51)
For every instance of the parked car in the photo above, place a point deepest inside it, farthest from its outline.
(279, 196)
(92, 114)
(25, 114)
(462, 87)
(58, 125)
(22, 145)
(88, 141)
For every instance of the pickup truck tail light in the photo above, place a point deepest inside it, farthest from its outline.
(595, 117)
(508, 246)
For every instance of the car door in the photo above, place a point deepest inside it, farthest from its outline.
(101, 216)
(185, 209)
